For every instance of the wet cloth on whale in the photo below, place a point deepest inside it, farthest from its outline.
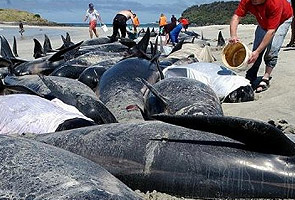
(222, 80)
(22, 113)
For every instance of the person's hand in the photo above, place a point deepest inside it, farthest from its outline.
(253, 57)
(234, 39)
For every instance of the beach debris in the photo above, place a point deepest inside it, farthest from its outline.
(283, 125)
(155, 195)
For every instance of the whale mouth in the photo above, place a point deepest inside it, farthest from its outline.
(132, 107)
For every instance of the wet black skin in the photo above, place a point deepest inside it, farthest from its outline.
(183, 96)
(180, 161)
(77, 94)
(32, 170)
(121, 87)
(91, 76)
(69, 71)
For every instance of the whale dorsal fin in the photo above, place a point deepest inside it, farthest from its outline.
(38, 50)
(220, 40)
(144, 42)
(47, 45)
(14, 47)
(5, 49)
(164, 100)
(60, 54)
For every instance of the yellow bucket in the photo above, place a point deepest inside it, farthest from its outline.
(235, 56)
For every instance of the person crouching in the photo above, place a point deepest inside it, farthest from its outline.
(175, 32)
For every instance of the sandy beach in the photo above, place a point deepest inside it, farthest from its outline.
(277, 103)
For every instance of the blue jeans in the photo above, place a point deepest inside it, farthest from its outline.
(272, 50)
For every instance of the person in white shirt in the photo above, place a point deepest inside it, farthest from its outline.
(93, 16)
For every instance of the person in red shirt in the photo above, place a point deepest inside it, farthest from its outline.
(274, 18)
(186, 22)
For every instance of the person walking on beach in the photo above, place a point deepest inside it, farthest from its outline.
(119, 22)
(162, 23)
(93, 16)
(135, 22)
(274, 18)
(21, 28)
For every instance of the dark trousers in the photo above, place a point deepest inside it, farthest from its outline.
(119, 23)
(251, 74)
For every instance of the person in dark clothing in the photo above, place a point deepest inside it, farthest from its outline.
(21, 28)
(167, 29)
(173, 19)
(119, 22)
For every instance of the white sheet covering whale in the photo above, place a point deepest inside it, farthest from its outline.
(222, 80)
(23, 113)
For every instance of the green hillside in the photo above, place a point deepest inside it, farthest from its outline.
(15, 16)
(214, 13)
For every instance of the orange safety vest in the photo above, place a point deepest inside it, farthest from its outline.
(135, 21)
(163, 21)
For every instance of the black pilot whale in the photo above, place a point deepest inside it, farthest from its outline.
(217, 163)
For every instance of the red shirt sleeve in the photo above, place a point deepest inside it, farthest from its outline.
(241, 11)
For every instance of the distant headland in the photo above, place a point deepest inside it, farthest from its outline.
(14, 17)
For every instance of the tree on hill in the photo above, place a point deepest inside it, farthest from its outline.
(215, 13)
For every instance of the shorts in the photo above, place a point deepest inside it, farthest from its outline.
(92, 24)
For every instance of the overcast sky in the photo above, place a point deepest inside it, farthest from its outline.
(74, 10)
